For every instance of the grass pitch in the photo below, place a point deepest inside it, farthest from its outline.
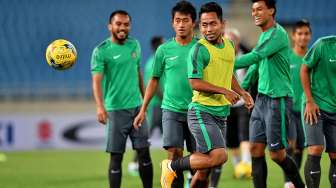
(87, 169)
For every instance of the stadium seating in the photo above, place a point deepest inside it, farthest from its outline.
(321, 14)
(27, 27)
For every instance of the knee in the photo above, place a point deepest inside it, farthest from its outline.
(175, 153)
(144, 155)
(257, 149)
(278, 156)
(332, 156)
(218, 159)
(315, 150)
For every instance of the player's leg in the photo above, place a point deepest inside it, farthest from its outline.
(291, 129)
(211, 124)
(300, 139)
(215, 176)
(117, 131)
(140, 143)
(276, 119)
(315, 142)
(208, 132)
(258, 144)
(173, 124)
(243, 134)
(232, 144)
(329, 127)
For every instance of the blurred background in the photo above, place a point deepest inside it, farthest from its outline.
(28, 86)
(42, 108)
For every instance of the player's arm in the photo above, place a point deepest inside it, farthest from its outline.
(97, 70)
(244, 94)
(247, 60)
(98, 96)
(266, 48)
(158, 66)
(312, 111)
(141, 83)
(197, 60)
(251, 77)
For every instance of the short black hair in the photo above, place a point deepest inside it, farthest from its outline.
(269, 4)
(156, 41)
(212, 7)
(184, 7)
(123, 12)
(301, 23)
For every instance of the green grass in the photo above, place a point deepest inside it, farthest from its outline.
(86, 169)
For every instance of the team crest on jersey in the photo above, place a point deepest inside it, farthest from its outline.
(134, 55)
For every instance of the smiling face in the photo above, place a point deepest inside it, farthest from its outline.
(183, 25)
(301, 36)
(211, 26)
(119, 27)
(261, 14)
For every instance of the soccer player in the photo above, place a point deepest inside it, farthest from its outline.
(170, 62)
(301, 36)
(117, 88)
(318, 76)
(210, 72)
(270, 115)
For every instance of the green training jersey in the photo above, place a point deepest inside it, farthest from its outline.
(321, 60)
(119, 65)
(295, 65)
(214, 64)
(170, 62)
(272, 54)
(147, 76)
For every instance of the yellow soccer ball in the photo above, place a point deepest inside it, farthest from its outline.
(61, 54)
(243, 170)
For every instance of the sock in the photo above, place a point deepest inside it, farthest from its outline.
(115, 170)
(246, 156)
(332, 173)
(312, 171)
(298, 158)
(259, 171)
(235, 160)
(179, 180)
(181, 164)
(289, 167)
(289, 152)
(215, 175)
(145, 167)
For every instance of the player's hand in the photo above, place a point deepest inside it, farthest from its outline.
(311, 113)
(139, 119)
(249, 103)
(101, 115)
(231, 96)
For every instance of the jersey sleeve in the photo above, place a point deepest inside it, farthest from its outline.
(97, 62)
(272, 44)
(198, 59)
(313, 55)
(158, 62)
(251, 77)
(138, 53)
(247, 60)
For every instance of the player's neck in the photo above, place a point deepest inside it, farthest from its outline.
(120, 42)
(183, 40)
(268, 25)
(299, 50)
